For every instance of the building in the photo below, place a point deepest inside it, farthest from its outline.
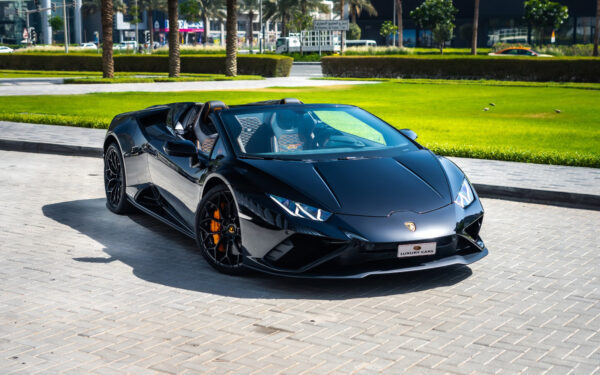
(499, 20)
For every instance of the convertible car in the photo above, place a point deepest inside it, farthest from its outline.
(305, 190)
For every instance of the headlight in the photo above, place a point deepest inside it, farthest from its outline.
(300, 209)
(465, 196)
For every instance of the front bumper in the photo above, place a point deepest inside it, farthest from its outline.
(349, 246)
(381, 270)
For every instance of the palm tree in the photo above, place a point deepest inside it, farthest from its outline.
(150, 6)
(400, 23)
(282, 10)
(231, 39)
(108, 64)
(174, 61)
(357, 6)
(597, 32)
(250, 6)
(211, 9)
(90, 7)
(190, 11)
(476, 28)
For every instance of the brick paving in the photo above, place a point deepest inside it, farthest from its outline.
(86, 291)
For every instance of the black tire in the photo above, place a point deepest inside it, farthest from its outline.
(114, 181)
(218, 231)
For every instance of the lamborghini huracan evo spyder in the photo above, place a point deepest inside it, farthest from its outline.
(307, 190)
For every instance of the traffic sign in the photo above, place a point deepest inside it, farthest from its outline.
(331, 25)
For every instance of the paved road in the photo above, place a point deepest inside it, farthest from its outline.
(306, 70)
(488, 172)
(86, 291)
(52, 87)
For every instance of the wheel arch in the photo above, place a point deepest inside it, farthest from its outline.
(110, 138)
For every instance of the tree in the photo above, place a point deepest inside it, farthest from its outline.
(475, 28)
(56, 23)
(300, 22)
(400, 23)
(438, 16)
(174, 61)
(357, 6)
(90, 7)
(354, 32)
(251, 7)
(190, 11)
(150, 6)
(387, 29)
(545, 14)
(106, 14)
(282, 10)
(597, 32)
(231, 39)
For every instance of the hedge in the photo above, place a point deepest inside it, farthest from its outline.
(263, 65)
(476, 67)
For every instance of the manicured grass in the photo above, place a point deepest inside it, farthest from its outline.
(522, 125)
(120, 77)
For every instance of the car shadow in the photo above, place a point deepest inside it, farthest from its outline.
(160, 254)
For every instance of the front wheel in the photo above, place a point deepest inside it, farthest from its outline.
(218, 231)
(114, 181)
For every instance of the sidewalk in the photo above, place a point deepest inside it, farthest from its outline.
(54, 86)
(538, 183)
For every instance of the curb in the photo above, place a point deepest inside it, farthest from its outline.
(306, 63)
(547, 197)
(50, 148)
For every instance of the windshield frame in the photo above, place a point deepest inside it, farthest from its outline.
(382, 152)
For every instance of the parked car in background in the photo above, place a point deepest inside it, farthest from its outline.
(5, 49)
(361, 43)
(129, 45)
(88, 45)
(518, 51)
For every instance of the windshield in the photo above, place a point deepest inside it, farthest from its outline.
(305, 131)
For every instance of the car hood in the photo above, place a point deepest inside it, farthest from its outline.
(377, 186)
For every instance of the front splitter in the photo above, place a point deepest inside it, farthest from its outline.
(438, 263)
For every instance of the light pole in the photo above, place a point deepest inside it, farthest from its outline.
(394, 34)
(135, 18)
(66, 27)
(261, 40)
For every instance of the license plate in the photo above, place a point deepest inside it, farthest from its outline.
(416, 250)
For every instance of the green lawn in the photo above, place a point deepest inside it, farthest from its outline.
(449, 117)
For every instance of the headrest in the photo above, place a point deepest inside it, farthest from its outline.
(211, 107)
(290, 101)
(176, 111)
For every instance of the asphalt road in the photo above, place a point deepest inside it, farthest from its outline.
(86, 291)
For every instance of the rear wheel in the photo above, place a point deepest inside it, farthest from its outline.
(114, 181)
(218, 231)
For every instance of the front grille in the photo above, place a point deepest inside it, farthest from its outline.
(299, 250)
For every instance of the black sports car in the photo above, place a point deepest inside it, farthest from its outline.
(310, 190)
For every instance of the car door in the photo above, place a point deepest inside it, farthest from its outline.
(177, 178)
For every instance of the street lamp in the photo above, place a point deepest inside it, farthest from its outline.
(261, 39)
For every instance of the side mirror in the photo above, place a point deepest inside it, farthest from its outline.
(409, 133)
(181, 148)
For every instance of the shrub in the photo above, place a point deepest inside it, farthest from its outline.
(264, 65)
(481, 67)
